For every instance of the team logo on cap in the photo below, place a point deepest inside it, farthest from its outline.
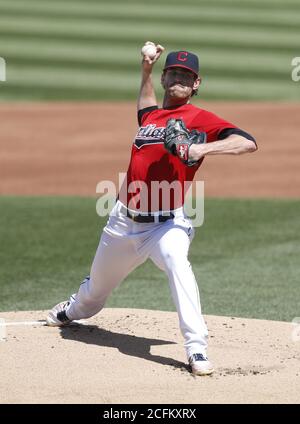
(182, 56)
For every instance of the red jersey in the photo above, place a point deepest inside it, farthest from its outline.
(151, 164)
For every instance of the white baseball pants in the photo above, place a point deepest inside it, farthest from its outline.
(124, 245)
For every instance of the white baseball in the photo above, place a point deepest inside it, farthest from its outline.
(149, 50)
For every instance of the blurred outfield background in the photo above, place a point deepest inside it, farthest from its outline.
(71, 49)
(246, 257)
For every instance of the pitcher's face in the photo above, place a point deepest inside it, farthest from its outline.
(179, 82)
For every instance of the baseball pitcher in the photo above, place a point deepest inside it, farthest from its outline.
(170, 146)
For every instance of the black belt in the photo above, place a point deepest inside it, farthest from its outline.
(147, 218)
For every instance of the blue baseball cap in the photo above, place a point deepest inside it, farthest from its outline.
(183, 59)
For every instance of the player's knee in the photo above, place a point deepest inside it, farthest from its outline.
(174, 261)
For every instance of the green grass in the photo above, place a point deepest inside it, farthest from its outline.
(74, 50)
(245, 257)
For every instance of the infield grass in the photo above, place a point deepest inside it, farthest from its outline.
(245, 257)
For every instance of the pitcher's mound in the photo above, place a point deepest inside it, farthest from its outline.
(137, 356)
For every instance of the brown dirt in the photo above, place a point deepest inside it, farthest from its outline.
(137, 356)
(65, 148)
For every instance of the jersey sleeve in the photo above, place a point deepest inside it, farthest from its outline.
(144, 113)
(229, 131)
(212, 124)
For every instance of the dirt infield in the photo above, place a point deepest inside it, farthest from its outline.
(68, 148)
(137, 356)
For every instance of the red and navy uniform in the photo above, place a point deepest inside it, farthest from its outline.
(150, 161)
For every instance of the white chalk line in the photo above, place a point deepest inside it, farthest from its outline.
(2, 331)
(6, 324)
(16, 323)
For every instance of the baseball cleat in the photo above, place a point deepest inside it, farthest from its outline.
(200, 364)
(57, 317)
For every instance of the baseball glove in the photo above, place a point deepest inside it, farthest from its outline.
(179, 139)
